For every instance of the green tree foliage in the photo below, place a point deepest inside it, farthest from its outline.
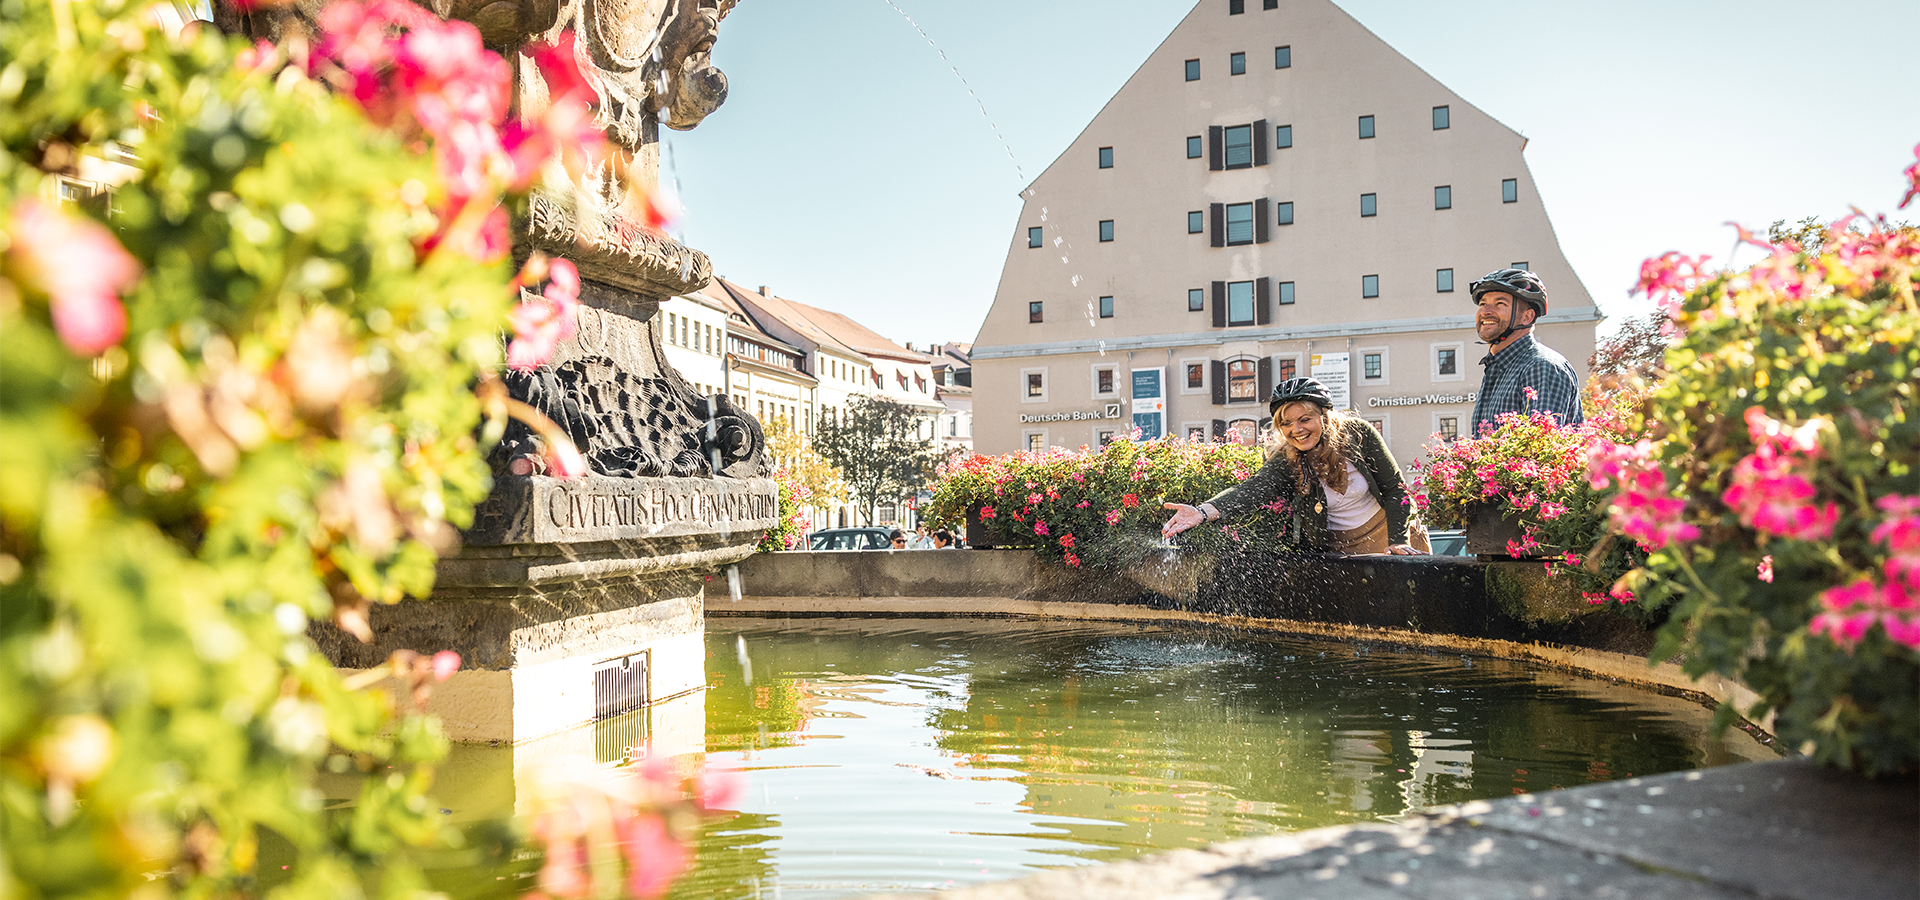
(878, 449)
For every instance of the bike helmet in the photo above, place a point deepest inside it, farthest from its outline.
(1294, 389)
(1522, 284)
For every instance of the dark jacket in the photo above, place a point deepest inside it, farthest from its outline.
(1278, 479)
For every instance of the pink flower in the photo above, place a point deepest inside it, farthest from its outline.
(1913, 179)
(1667, 278)
(1766, 568)
(1551, 510)
(445, 663)
(541, 323)
(1130, 500)
(1113, 517)
(1901, 530)
(1066, 540)
(986, 512)
(81, 268)
(1033, 499)
(1040, 528)
(1073, 560)
(564, 460)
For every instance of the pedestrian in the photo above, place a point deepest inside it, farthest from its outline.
(921, 540)
(897, 539)
(943, 540)
(1522, 375)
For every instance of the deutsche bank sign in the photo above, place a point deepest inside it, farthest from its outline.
(1111, 411)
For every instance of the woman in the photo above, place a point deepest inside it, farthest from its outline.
(1331, 469)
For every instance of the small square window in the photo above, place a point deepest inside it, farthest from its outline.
(1522, 266)
(1106, 157)
(1106, 229)
(1283, 214)
(1239, 224)
(1443, 280)
(1289, 367)
(1366, 126)
(1194, 146)
(1239, 140)
(1036, 384)
(1106, 307)
(1196, 376)
(1033, 238)
(1283, 137)
(1449, 428)
(1369, 285)
(1283, 57)
(1236, 7)
(1443, 197)
(1440, 117)
(1370, 364)
(1196, 300)
(1236, 64)
(1196, 222)
(1105, 383)
(1449, 361)
(1036, 441)
(1193, 70)
(1269, 4)
(1369, 205)
(1510, 190)
(1033, 311)
(1105, 437)
(1286, 293)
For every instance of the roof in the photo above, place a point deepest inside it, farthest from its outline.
(739, 318)
(858, 336)
(785, 313)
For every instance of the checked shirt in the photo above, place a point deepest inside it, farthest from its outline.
(1526, 363)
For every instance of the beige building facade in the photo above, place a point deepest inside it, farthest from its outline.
(1275, 192)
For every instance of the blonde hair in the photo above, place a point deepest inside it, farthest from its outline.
(1327, 460)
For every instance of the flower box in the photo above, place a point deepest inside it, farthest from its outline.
(1493, 531)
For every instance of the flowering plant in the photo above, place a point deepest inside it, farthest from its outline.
(791, 533)
(1101, 508)
(1778, 493)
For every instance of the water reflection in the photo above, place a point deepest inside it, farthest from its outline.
(903, 754)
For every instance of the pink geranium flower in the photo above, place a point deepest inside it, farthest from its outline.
(81, 268)
(541, 323)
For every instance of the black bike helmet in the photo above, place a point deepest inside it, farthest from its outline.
(1522, 284)
(1294, 389)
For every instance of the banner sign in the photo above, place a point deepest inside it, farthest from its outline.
(1330, 369)
(1150, 402)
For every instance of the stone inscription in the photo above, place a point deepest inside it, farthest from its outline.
(540, 510)
(657, 506)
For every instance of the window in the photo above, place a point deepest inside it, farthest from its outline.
(1236, 7)
(1286, 293)
(683, 331)
(1366, 127)
(1236, 64)
(1103, 381)
(1194, 146)
(1196, 300)
(1239, 146)
(1240, 303)
(1283, 57)
(1370, 365)
(1443, 197)
(1193, 70)
(1443, 280)
(1440, 122)
(1196, 376)
(1036, 384)
(1106, 157)
(1449, 428)
(1447, 361)
(1033, 311)
(1239, 223)
(1106, 229)
(1521, 265)
(1283, 214)
(1033, 238)
(1369, 205)
(1289, 367)
(1242, 381)
(1510, 190)
(1106, 307)
(1369, 285)
(673, 327)
(1196, 222)
(1036, 441)
(1283, 137)
(1104, 437)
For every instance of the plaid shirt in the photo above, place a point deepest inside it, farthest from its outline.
(1526, 363)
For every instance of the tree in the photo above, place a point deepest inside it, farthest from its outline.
(794, 454)
(878, 450)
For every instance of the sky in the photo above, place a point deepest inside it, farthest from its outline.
(851, 168)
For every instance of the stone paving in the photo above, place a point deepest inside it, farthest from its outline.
(1786, 829)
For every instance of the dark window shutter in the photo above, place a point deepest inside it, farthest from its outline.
(1219, 429)
(1263, 304)
(1219, 304)
(1260, 143)
(1260, 220)
(1216, 148)
(1217, 215)
(1218, 370)
(1264, 371)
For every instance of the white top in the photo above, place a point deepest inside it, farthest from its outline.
(1353, 508)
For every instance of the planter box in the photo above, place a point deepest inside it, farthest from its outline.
(1489, 530)
(978, 537)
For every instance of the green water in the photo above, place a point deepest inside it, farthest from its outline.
(892, 754)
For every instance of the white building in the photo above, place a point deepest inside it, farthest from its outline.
(693, 333)
(1275, 192)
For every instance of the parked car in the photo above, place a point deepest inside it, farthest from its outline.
(849, 539)
(1448, 543)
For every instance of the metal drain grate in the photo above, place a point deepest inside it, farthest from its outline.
(619, 685)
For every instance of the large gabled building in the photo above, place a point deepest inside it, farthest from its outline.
(1276, 191)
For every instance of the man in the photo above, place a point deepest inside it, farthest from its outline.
(920, 540)
(1523, 375)
(943, 540)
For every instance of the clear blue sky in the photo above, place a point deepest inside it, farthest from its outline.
(850, 169)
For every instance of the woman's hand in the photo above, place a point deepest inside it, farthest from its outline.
(1404, 550)
(1184, 517)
